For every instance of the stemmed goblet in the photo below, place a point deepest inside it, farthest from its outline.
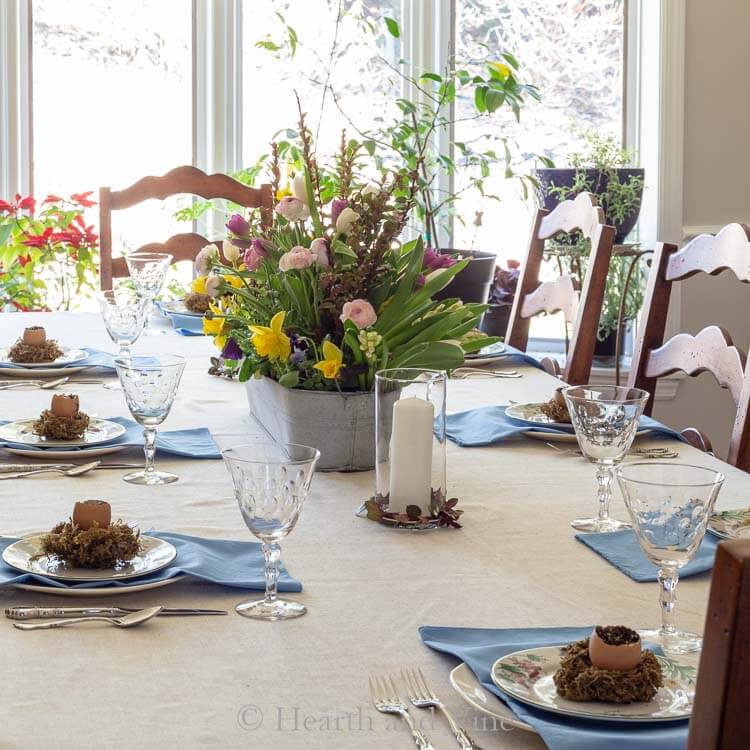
(124, 314)
(605, 419)
(148, 271)
(271, 481)
(150, 383)
(670, 506)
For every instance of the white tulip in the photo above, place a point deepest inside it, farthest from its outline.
(299, 188)
(231, 252)
(371, 188)
(212, 284)
(345, 220)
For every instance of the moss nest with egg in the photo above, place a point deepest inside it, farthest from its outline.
(48, 351)
(60, 427)
(95, 547)
(197, 303)
(579, 680)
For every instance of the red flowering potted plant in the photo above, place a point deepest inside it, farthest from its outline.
(47, 254)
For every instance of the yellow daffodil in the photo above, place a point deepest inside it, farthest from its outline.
(332, 362)
(499, 67)
(199, 285)
(271, 341)
(215, 326)
(234, 281)
(283, 192)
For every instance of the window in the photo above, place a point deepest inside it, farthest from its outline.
(112, 101)
(358, 69)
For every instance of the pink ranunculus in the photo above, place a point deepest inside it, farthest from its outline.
(292, 209)
(205, 259)
(298, 257)
(254, 255)
(433, 260)
(319, 248)
(360, 312)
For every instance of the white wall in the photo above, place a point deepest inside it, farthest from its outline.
(716, 191)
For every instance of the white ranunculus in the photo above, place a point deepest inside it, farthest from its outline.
(212, 284)
(345, 220)
(205, 259)
(231, 252)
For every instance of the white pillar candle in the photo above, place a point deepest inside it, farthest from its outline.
(410, 455)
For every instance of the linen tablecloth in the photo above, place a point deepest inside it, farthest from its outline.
(231, 682)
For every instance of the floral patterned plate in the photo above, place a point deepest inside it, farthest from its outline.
(731, 524)
(527, 677)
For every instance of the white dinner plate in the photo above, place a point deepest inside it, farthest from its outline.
(38, 588)
(487, 355)
(47, 372)
(177, 306)
(551, 436)
(527, 676)
(26, 555)
(68, 357)
(731, 524)
(464, 682)
(99, 431)
(52, 454)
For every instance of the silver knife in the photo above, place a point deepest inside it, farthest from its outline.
(29, 613)
(11, 468)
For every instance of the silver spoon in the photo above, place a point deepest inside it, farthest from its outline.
(126, 621)
(76, 471)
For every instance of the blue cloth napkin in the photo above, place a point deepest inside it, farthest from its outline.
(96, 358)
(489, 425)
(220, 561)
(511, 355)
(194, 443)
(479, 648)
(621, 549)
(185, 325)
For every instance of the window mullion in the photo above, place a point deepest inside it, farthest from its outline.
(15, 95)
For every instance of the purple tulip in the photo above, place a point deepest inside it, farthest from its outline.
(237, 224)
(337, 206)
(232, 350)
(433, 260)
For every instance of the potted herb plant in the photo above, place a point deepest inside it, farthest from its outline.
(602, 168)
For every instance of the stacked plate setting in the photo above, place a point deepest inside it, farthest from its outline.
(67, 361)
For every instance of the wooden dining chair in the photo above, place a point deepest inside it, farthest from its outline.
(721, 719)
(182, 180)
(581, 310)
(710, 350)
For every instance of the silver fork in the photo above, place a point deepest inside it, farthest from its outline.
(422, 697)
(385, 697)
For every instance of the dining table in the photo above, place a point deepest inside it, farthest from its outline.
(231, 682)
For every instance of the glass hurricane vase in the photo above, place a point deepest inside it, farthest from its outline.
(670, 506)
(271, 481)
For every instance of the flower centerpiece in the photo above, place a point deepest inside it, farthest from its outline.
(329, 294)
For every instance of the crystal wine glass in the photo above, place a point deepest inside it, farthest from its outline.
(271, 483)
(124, 314)
(670, 506)
(150, 383)
(148, 271)
(605, 419)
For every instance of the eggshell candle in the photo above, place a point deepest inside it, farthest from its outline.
(34, 336)
(88, 513)
(64, 405)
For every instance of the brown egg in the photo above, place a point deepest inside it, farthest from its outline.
(620, 657)
(64, 405)
(558, 398)
(34, 336)
(88, 513)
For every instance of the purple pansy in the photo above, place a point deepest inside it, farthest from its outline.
(232, 350)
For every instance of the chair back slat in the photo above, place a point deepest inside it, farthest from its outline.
(550, 297)
(584, 309)
(712, 254)
(184, 180)
(711, 350)
(582, 214)
(721, 719)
